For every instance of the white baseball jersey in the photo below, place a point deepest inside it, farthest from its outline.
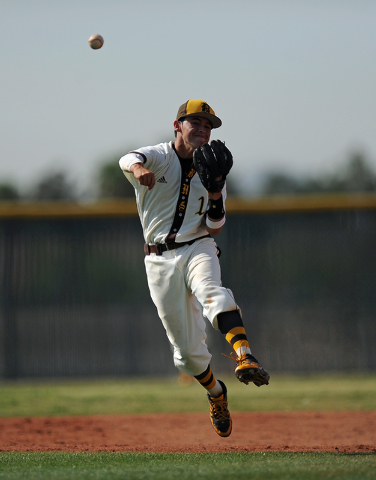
(157, 208)
(185, 283)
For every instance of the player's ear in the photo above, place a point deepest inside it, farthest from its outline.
(177, 126)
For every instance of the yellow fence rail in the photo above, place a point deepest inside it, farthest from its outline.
(234, 205)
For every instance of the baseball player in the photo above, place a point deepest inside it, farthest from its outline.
(180, 192)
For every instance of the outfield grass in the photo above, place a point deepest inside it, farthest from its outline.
(285, 393)
(224, 466)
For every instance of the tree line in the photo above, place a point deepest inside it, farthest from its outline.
(354, 175)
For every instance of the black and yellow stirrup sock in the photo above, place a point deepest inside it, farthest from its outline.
(231, 325)
(209, 382)
(207, 379)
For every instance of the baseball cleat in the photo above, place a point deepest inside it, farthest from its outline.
(219, 415)
(250, 370)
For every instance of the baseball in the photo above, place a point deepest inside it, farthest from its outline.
(96, 41)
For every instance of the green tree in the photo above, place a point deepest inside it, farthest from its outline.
(8, 192)
(355, 175)
(279, 183)
(55, 186)
(112, 182)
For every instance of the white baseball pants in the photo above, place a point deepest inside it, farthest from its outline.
(185, 286)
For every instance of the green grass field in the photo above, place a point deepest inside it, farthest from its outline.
(221, 466)
(286, 393)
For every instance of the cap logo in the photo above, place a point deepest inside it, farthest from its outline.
(205, 107)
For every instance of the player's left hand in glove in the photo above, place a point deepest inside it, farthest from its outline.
(212, 162)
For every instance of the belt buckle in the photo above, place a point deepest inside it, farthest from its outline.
(158, 247)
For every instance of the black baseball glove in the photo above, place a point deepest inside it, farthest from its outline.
(212, 161)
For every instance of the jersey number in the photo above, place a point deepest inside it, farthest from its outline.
(201, 209)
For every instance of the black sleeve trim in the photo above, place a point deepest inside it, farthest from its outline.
(144, 159)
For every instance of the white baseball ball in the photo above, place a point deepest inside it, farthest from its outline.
(96, 41)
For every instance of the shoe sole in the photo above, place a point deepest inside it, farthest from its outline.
(253, 375)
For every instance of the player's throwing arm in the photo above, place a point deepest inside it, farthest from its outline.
(144, 176)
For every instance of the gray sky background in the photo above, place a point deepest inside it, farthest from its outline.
(293, 81)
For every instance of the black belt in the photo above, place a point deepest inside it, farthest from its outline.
(159, 248)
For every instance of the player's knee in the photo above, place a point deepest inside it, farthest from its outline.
(222, 301)
(192, 362)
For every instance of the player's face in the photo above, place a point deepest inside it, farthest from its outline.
(195, 131)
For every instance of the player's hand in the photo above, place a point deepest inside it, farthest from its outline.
(145, 177)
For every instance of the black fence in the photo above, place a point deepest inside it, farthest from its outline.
(75, 302)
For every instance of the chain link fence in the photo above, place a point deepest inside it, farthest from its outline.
(74, 300)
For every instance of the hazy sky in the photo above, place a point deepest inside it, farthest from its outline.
(293, 81)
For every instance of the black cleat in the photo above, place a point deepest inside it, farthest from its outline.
(250, 370)
(219, 415)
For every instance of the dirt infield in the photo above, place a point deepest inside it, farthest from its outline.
(252, 432)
